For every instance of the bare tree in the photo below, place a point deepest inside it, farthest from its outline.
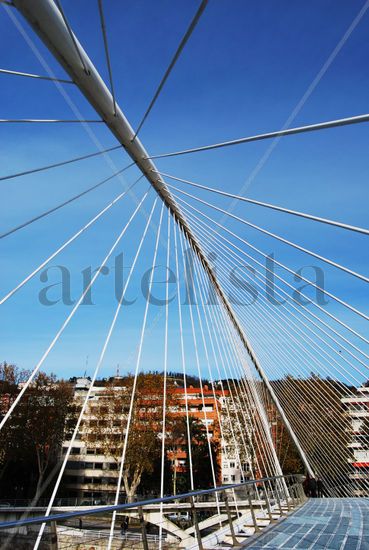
(106, 425)
(34, 433)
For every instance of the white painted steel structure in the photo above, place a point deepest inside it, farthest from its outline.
(45, 18)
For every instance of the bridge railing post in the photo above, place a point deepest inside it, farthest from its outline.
(293, 494)
(267, 502)
(230, 521)
(300, 491)
(143, 528)
(252, 511)
(286, 495)
(196, 523)
(277, 496)
(54, 536)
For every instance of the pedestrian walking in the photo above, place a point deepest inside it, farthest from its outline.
(312, 487)
(306, 485)
(320, 487)
(124, 526)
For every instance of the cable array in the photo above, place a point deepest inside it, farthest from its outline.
(274, 364)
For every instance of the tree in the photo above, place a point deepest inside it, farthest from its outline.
(319, 424)
(200, 455)
(107, 426)
(32, 438)
(47, 409)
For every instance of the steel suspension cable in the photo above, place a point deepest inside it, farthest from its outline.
(318, 347)
(207, 227)
(205, 235)
(174, 60)
(225, 360)
(322, 453)
(197, 360)
(163, 435)
(62, 163)
(311, 283)
(225, 400)
(297, 213)
(215, 358)
(221, 354)
(327, 391)
(183, 358)
(231, 343)
(138, 364)
(305, 337)
(244, 368)
(87, 397)
(107, 55)
(285, 352)
(73, 38)
(329, 395)
(221, 357)
(198, 292)
(350, 329)
(221, 428)
(37, 76)
(62, 204)
(257, 407)
(279, 133)
(275, 236)
(69, 317)
(350, 381)
(47, 120)
(247, 395)
(66, 243)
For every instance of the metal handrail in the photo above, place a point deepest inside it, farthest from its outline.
(122, 507)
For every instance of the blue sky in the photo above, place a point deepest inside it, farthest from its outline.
(244, 70)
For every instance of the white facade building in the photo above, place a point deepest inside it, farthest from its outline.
(357, 408)
(90, 476)
(235, 458)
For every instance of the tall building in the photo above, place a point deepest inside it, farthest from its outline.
(203, 406)
(357, 408)
(90, 475)
(215, 408)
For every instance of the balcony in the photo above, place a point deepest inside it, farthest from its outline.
(361, 456)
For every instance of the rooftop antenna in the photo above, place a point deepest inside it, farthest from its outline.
(117, 375)
(85, 374)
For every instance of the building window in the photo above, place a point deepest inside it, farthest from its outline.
(75, 465)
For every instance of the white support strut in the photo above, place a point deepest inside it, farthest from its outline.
(47, 21)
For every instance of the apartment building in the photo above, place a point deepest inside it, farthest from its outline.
(214, 408)
(91, 476)
(357, 408)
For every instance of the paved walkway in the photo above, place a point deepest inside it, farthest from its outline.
(329, 523)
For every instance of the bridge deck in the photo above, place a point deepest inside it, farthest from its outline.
(332, 524)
